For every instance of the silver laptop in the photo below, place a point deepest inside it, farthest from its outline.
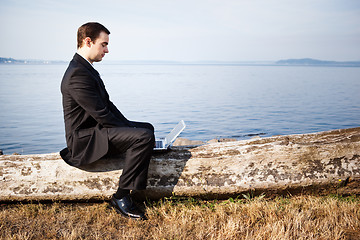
(162, 144)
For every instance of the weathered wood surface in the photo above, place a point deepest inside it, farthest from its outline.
(325, 162)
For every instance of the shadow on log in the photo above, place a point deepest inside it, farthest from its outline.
(318, 163)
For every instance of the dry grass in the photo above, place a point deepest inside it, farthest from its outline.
(304, 217)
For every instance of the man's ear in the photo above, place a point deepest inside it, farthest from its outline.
(87, 42)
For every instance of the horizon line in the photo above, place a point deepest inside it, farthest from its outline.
(294, 61)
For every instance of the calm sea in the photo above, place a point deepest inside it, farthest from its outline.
(215, 101)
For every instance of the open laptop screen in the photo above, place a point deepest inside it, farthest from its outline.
(170, 138)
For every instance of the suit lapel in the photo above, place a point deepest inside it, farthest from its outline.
(91, 69)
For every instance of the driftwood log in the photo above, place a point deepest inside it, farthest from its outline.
(320, 163)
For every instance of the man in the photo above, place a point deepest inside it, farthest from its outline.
(94, 127)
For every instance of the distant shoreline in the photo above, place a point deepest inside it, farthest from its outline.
(30, 61)
(287, 62)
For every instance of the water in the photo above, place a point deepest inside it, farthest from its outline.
(214, 100)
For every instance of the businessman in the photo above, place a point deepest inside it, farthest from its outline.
(95, 128)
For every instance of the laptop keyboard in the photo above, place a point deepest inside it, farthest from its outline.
(158, 144)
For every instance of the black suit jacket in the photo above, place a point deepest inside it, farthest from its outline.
(88, 113)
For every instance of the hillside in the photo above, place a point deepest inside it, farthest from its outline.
(27, 61)
(315, 62)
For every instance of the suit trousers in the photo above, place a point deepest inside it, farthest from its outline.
(137, 143)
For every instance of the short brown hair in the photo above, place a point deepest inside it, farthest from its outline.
(91, 30)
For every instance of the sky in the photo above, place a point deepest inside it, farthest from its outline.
(185, 30)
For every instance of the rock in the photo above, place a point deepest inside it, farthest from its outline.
(320, 163)
(215, 140)
(1, 152)
(186, 142)
(227, 139)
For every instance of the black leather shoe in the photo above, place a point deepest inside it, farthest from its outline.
(127, 208)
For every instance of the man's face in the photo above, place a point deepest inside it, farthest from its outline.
(99, 47)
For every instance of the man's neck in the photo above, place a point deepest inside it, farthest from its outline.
(81, 53)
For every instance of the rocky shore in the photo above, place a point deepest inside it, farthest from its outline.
(320, 163)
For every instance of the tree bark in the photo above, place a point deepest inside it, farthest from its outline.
(320, 163)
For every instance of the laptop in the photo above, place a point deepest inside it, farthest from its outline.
(162, 144)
